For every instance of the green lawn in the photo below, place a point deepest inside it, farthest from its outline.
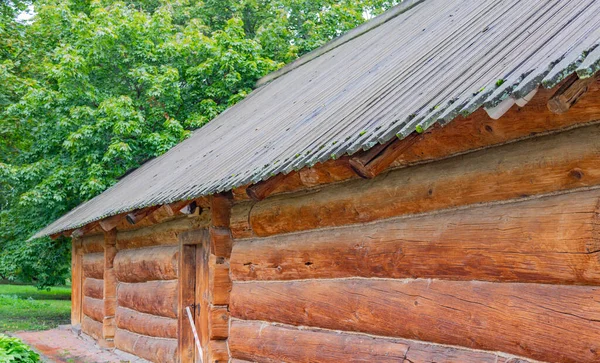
(27, 308)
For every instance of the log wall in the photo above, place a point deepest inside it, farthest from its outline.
(90, 300)
(455, 260)
(146, 270)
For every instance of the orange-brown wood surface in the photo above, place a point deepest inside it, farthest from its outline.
(93, 265)
(478, 130)
(158, 234)
(93, 243)
(187, 291)
(146, 264)
(221, 241)
(219, 280)
(217, 351)
(146, 324)
(240, 224)
(93, 288)
(220, 209)
(218, 323)
(547, 164)
(76, 280)
(203, 293)
(261, 342)
(554, 239)
(91, 327)
(93, 308)
(516, 318)
(110, 288)
(153, 297)
(158, 350)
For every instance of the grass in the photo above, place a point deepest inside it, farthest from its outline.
(27, 308)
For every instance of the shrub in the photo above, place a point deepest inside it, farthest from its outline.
(14, 350)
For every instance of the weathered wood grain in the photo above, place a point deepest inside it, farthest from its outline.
(93, 265)
(261, 342)
(77, 281)
(220, 209)
(93, 308)
(221, 241)
(93, 243)
(571, 91)
(110, 288)
(146, 324)
(153, 297)
(93, 288)
(218, 322)
(516, 318)
(187, 292)
(157, 350)
(554, 239)
(147, 264)
(217, 351)
(547, 164)
(264, 342)
(240, 220)
(219, 280)
(203, 293)
(160, 234)
(91, 327)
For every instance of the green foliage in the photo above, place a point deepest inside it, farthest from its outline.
(92, 89)
(14, 350)
(25, 307)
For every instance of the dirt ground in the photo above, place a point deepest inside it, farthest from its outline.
(64, 346)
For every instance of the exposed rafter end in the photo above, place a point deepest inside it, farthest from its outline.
(263, 189)
(139, 214)
(55, 235)
(110, 223)
(375, 160)
(84, 230)
(569, 93)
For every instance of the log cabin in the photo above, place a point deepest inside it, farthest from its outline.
(424, 188)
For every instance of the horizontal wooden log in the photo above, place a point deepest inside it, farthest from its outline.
(219, 280)
(92, 243)
(262, 342)
(221, 241)
(220, 209)
(146, 264)
(478, 130)
(153, 297)
(515, 318)
(553, 239)
(93, 308)
(93, 288)
(157, 350)
(146, 324)
(544, 165)
(218, 322)
(91, 327)
(93, 265)
(240, 220)
(218, 351)
(160, 234)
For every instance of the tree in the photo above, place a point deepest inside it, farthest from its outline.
(90, 90)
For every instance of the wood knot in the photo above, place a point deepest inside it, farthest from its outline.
(576, 173)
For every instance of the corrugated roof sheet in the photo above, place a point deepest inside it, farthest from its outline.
(428, 64)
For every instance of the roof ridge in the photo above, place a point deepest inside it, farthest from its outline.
(353, 33)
